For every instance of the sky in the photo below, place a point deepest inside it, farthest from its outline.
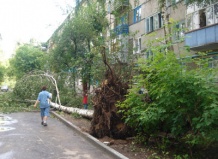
(22, 20)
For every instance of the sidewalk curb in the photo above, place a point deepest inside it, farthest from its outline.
(91, 139)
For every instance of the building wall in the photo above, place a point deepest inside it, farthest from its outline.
(148, 9)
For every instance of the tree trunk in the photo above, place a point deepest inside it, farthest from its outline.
(83, 112)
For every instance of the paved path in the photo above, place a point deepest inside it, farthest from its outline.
(26, 138)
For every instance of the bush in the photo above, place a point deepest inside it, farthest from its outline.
(179, 101)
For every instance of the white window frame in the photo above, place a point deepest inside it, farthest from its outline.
(137, 45)
(149, 54)
(179, 31)
(137, 14)
(153, 23)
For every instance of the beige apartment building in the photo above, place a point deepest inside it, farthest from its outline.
(135, 20)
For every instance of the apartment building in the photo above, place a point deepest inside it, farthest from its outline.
(196, 26)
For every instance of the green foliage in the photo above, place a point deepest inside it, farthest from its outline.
(70, 98)
(97, 73)
(73, 51)
(30, 85)
(186, 156)
(2, 73)
(9, 103)
(178, 100)
(26, 59)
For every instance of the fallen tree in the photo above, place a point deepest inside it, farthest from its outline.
(107, 121)
(83, 112)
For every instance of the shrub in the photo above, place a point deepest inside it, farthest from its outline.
(178, 100)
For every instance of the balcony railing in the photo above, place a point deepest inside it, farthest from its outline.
(203, 39)
(121, 29)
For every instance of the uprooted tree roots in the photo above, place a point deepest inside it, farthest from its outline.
(106, 120)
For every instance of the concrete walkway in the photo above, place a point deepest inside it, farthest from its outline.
(23, 137)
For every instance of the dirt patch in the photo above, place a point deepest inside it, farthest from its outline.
(132, 150)
(127, 147)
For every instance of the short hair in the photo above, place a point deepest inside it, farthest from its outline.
(43, 88)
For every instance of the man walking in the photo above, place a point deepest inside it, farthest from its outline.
(44, 100)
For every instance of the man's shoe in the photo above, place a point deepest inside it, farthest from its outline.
(42, 122)
(45, 124)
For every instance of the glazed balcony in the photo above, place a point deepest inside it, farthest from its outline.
(203, 39)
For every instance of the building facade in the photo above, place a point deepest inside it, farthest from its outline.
(195, 26)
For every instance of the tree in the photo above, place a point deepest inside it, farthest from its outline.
(2, 73)
(27, 59)
(73, 52)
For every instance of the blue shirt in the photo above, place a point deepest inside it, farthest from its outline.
(43, 97)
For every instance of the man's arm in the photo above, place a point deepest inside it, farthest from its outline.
(37, 101)
(50, 96)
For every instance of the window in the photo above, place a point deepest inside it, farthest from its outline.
(149, 54)
(149, 26)
(153, 23)
(178, 31)
(202, 21)
(156, 22)
(201, 16)
(137, 45)
(137, 14)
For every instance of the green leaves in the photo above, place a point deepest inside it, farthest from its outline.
(77, 42)
(26, 59)
(181, 100)
(2, 72)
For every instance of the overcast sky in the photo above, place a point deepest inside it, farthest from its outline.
(21, 20)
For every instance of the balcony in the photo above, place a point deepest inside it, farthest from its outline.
(203, 39)
(121, 29)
